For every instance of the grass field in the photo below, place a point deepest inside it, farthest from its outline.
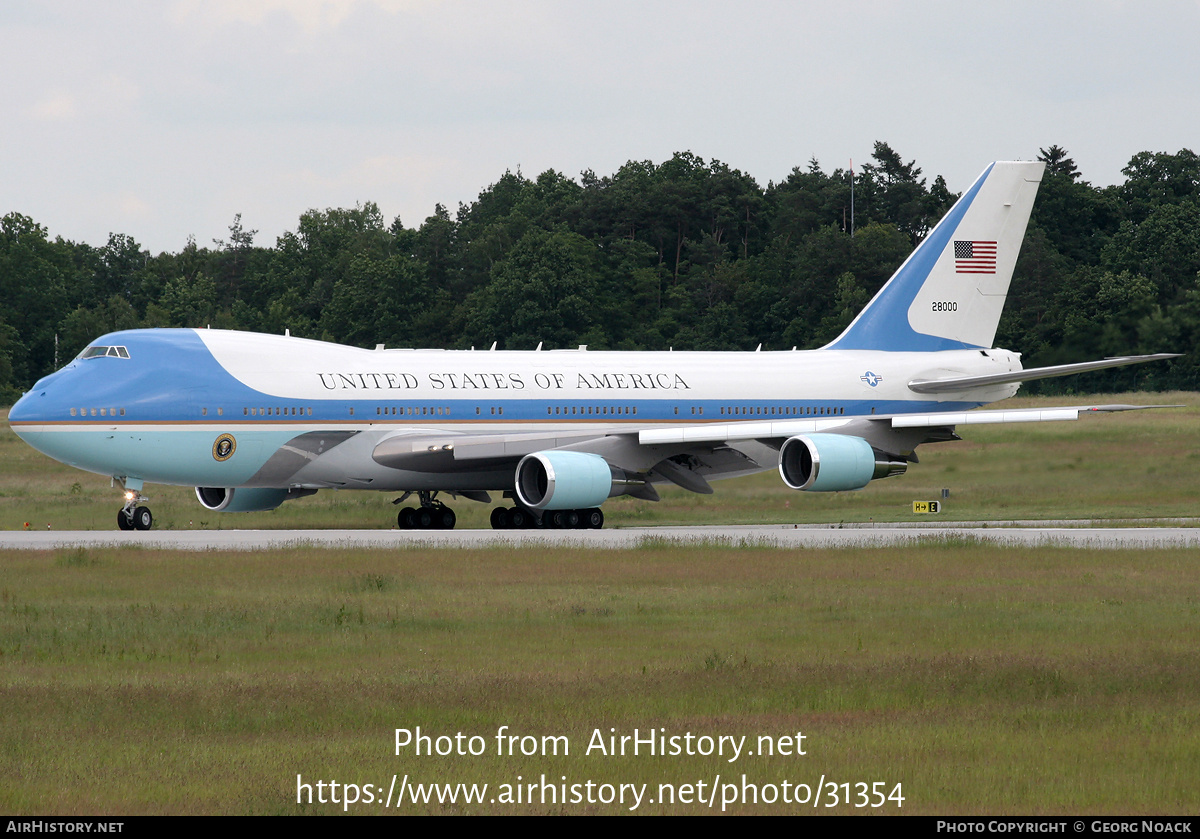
(980, 679)
(1114, 466)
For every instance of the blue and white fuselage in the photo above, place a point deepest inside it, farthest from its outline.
(156, 414)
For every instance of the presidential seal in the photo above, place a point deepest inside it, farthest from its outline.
(224, 447)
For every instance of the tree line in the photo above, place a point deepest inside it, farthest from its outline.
(685, 254)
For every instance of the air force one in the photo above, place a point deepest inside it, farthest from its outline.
(254, 420)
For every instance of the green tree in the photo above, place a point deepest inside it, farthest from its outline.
(11, 353)
(545, 290)
(436, 245)
(190, 301)
(318, 255)
(850, 300)
(894, 192)
(1165, 247)
(34, 275)
(377, 301)
(87, 323)
(1076, 219)
(1154, 179)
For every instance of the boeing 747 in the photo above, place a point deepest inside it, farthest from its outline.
(254, 420)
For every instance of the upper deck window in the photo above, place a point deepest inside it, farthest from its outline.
(111, 352)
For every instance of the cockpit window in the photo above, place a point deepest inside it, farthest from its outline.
(112, 352)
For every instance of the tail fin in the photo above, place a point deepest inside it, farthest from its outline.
(949, 293)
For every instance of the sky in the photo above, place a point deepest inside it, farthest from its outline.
(163, 120)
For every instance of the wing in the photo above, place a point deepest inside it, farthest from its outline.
(848, 453)
(643, 464)
(690, 455)
(876, 426)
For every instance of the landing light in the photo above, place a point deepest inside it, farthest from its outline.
(129, 496)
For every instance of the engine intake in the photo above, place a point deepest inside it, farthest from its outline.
(833, 463)
(558, 480)
(246, 499)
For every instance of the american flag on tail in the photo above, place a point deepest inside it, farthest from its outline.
(972, 257)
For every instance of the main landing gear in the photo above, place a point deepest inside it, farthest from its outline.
(519, 518)
(133, 516)
(434, 515)
(431, 515)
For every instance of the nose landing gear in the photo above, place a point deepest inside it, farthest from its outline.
(134, 516)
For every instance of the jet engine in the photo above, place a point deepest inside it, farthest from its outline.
(834, 462)
(246, 499)
(563, 480)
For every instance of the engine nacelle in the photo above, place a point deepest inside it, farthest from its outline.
(246, 499)
(557, 480)
(833, 462)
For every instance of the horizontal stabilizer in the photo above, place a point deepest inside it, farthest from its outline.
(969, 382)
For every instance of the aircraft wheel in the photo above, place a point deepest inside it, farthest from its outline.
(499, 518)
(406, 518)
(574, 519)
(555, 519)
(518, 518)
(593, 518)
(444, 518)
(142, 519)
(424, 518)
(123, 521)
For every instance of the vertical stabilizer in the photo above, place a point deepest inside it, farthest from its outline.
(949, 293)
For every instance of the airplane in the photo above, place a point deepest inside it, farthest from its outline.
(253, 420)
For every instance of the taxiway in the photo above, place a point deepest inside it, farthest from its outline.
(783, 536)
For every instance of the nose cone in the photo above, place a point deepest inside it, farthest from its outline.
(35, 405)
(41, 416)
(26, 419)
(25, 410)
